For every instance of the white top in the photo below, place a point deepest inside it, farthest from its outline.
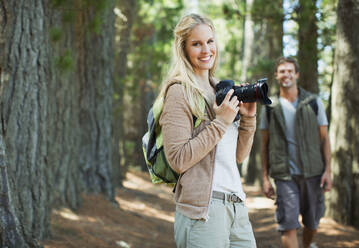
(226, 176)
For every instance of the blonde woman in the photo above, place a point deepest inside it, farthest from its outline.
(210, 210)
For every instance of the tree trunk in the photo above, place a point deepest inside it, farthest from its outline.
(23, 99)
(10, 234)
(248, 40)
(343, 199)
(128, 10)
(95, 76)
(80, 111)
(55, 101)
(269, 47)
(64, 130)
(307, 45)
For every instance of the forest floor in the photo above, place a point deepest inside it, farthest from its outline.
(145, 216)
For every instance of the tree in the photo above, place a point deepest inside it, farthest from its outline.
(307, 45)
(126, 19)
(80, 113)
(9, 225)
(268, 47)
(248, 40)
(95, 75)
(23, 101)
(343, 199)
(56, 107)
(150, 53)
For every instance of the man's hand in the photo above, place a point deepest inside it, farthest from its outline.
(268, 189)
(326, 181)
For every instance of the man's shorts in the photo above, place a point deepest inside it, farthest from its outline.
(299, 196)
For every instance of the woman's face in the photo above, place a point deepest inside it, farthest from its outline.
(200, 48)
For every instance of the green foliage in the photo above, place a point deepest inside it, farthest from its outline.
(69, 12)
(65, 61)
(99, 8)
(233, 11)
(70, 9)
(59, 3)
(228, 20)
(147, 63)
(264, 11)
(67, 9)
(264, 66)
(55, 34)
(151, 39)
(68, 16)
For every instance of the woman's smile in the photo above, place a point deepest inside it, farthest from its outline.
(201, 48)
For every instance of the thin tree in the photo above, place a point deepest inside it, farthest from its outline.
(266, 49)
(307, 45)
(126, 19)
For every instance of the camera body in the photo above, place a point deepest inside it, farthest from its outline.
(256, 92)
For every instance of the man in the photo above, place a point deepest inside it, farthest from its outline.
(295, 152)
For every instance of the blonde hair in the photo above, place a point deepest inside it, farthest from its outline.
(181, 69)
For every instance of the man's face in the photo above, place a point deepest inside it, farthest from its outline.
(286, 75)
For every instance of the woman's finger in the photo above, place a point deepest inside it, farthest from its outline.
(233, 100)
(228, 96)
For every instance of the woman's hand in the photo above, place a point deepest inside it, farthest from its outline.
(268, 189)
(228, 109)
(248, 108)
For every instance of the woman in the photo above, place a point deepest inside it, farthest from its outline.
(209, 198)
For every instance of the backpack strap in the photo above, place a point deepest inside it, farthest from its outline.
(168, 86)
(268, 111)
(314, 105)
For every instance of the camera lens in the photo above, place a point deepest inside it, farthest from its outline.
(249, 93)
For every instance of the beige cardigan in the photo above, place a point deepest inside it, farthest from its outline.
(191, 152)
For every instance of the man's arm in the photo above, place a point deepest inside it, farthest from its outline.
(326, 181)
(267, 186)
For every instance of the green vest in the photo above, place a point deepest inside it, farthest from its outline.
(307, 136)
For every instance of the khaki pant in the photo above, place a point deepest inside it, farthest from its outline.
(228, 226)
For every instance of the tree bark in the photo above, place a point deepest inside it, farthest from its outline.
(307, 45)
(343, 199)
(23, 99)
(64, 130)
(56, 108)
(10, 234)
(95, 77)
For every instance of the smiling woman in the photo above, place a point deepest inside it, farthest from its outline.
(202, 143)
(201, 49)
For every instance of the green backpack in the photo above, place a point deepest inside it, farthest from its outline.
(152, 145)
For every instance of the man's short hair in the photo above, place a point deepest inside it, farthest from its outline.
(283, 60)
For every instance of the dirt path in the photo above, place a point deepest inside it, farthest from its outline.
(144, 219)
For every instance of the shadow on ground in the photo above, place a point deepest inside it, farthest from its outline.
(145, 215)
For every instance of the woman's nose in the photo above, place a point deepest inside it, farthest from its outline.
(205, 48)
